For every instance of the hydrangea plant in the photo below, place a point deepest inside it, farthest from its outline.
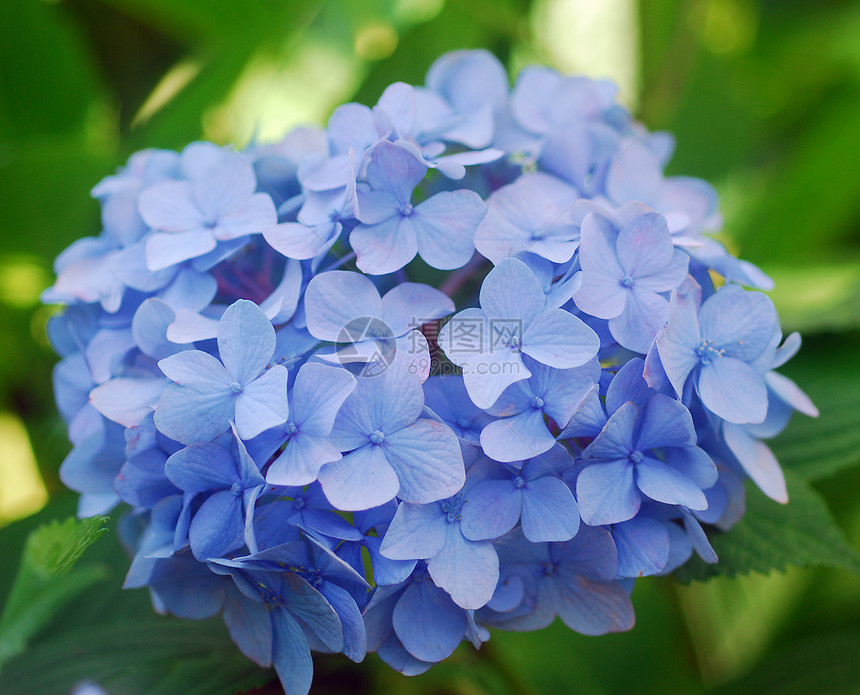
(313, 441)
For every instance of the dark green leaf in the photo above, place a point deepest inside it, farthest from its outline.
(820, 664)
(772, 536)
(813, 448)
(140, 655)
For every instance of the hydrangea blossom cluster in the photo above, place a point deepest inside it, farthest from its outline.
(338, 458)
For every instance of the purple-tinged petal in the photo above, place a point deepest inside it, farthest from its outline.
(512, 292)
(227, 183)
(426, 456)
(377, 206)
(196, 369)
(360, 480)
(670, 277)
(127, 400)
(301, 460)
(665, 484)
(164, 250)
(469, 80)
(640, 322)
(429, 624)
(615, 440)
(517, 438)
(635, 175)
(336, 298)
(201, 467)
(643, 547)
(410, 305)
(393, 168)
(492, 509)
(397, 107)
(739, 321)
(256, 215)
(559, 339)
(644, 246)
(250, 627)
(467, 570)
(733, 390)
(291, 655)
(169, 207)
(299, 241)
(218, 526)
(591, 554)
(246, 340)
(385, 247)
(549, 511)
(601, 294)
(665, 422)
(445, 226)
(680, 338)
(606, 493)
(595, 608)
(190, 416)
(758, 461)
(417, 531)
(318, 393)
(262, 403)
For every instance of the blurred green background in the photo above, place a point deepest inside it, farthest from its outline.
(763, 97)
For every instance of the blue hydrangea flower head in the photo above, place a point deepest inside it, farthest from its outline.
(317, 454)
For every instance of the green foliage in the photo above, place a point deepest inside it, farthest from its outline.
(43, 583)
(821, 664)
(90, 629)
(143, 654)
(817, 448)
(772, 536)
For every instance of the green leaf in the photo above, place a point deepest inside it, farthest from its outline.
(138, 654)
(772, 536)
(821, 664)
(44, 583)
(781, 225)
(47, 74)
(814, 448)
(56, 547)
(817, 298)
(113, 636)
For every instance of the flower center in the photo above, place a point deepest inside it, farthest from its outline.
(627, 281)
(271, 597)
(452, 507)
(292, 428)
(406, 209)
(235, 387)
(708, 352)
(537, 402)
(377, 437)
(635, 456)
(519, 482)
(236, 489)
